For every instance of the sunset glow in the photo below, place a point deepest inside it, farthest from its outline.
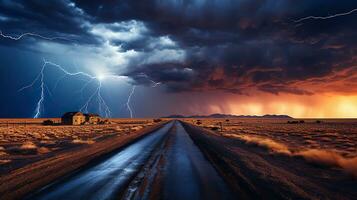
(315, 106)
(164, 58)
(178, 99)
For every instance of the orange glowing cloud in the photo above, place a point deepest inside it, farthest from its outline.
(302, 106)
(299, 106)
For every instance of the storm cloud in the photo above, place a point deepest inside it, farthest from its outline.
(237, 46)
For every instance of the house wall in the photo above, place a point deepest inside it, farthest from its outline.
(66, 121)
(78, 120)
(94, 120)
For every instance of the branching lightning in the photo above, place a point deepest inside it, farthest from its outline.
(153, 83)
(128, 101)
(39, 106)
(41, 78)
(102, 105)
(325, 17)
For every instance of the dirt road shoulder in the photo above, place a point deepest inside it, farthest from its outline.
(36, 175)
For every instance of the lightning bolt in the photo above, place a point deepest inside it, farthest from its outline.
(325, 17)
(39, 106)
(128, 101)
(153, 83)
(33, 35)
(101, 102)
(102, 105)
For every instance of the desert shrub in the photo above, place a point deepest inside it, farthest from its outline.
(214, 128)
(293, 122)
(157, 120)
(79, 141)
(26, 148)
(296, 122)
(5, 161)
(2, 151)
(43, 150)
(48, 122)
(28, 145)
(198, 122)
(104, 122)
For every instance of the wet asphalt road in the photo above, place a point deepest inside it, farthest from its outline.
(186, 173)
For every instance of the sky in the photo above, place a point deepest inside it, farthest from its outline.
(153, 58)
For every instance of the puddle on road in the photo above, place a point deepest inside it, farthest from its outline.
(105, 179)
(178, 170)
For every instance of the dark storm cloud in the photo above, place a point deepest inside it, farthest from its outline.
(230, 45)
(55, 18)
(240, 36)
(176, 77)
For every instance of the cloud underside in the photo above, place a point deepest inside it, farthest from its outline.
(198, 45)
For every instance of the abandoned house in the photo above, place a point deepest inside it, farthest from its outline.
(92, 118)
(73, 118)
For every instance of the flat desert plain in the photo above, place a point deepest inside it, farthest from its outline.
(295, 158)
(257, 158)
(24, 141)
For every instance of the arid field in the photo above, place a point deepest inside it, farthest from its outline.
(309, 158)
(24, 141)
(248, 158)
(339, 136)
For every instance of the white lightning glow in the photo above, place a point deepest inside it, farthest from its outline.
(325, 17)
(128, 101)
(102, 105)
(33, 35)
(39, 106)
(97, 94)
(101, 77)
(153, 83)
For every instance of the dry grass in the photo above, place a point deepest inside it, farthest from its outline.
(25, 180)
(23, 141)
(337, 135)
(330, 143)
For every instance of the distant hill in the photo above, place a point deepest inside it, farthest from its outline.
(217, 115)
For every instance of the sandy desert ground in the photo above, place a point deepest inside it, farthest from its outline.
(337, 136)
(308, 158)
(24, 141)
(257, 158)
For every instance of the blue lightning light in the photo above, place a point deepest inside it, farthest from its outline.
(102, 105)
(33, 35)
(128, 101)
(325, 17)
(153, 83)
(39, 106)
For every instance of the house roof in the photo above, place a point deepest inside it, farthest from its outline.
(92, 115)
(71, 114)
